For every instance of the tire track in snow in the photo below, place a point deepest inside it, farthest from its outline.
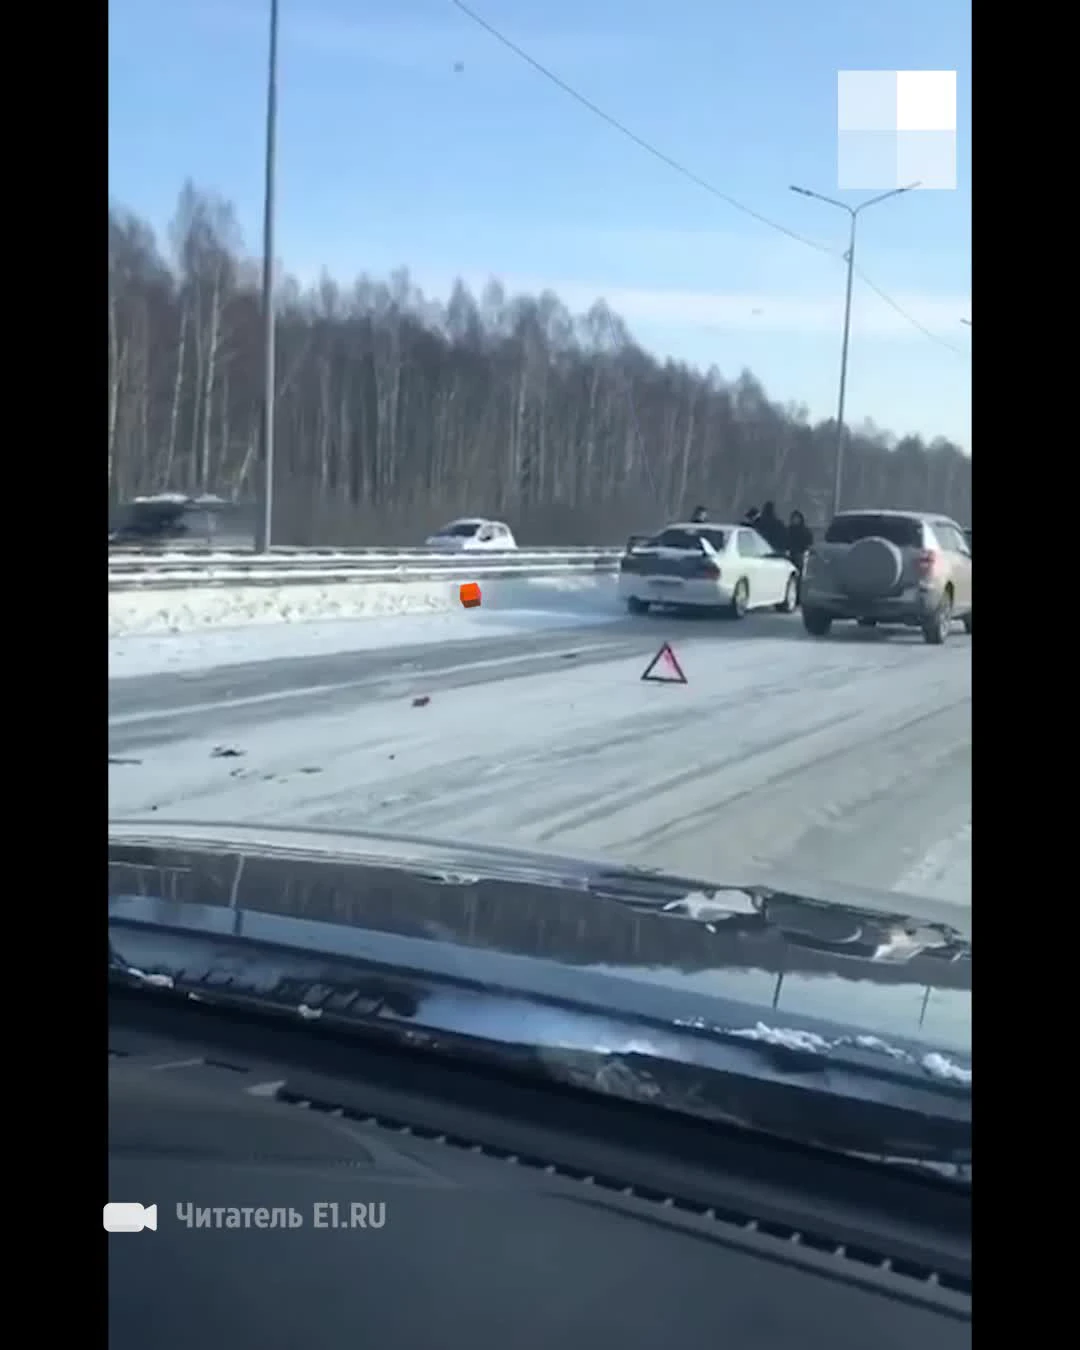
(837, 760)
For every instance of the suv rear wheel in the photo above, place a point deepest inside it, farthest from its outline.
(816, 623)
(936, 627)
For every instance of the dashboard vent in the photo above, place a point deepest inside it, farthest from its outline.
(747, 1223)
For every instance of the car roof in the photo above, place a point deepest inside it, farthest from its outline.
(898, 515)
(695, 525)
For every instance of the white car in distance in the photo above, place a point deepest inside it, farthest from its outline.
(472, 533)
(719, 567)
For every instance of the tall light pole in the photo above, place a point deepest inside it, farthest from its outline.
(853, 212)
(264, 522)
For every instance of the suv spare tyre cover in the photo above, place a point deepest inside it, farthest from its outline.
(872, 567)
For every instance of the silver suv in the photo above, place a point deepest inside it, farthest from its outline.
(897, 567)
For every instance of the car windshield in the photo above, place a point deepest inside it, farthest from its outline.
(545, 264)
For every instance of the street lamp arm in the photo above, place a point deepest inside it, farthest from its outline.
(829, 201)
(884, 196)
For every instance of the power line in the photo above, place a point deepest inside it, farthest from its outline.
(624, 130)
(680, 168)
(905, 315)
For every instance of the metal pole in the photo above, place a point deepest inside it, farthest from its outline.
(264, 523)
(838, 467)
(853, 214)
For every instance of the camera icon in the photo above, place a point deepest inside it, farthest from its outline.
(129, 1218)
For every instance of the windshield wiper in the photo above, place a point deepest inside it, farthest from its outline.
(846, 1099)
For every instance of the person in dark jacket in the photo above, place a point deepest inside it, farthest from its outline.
(771, 528)
(751, 517)
(800, 538)
(700, 516)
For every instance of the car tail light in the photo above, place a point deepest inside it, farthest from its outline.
(927, 562)
(709, 570)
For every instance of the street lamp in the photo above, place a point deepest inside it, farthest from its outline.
(264, 522)
(849, 257)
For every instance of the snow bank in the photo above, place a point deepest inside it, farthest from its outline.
(197, 608)
(180, 631)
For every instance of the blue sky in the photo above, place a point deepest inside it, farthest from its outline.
(389, 155)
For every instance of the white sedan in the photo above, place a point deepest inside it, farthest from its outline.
(721, 567)
(472, 533)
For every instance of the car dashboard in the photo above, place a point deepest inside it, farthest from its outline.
(314, 1201)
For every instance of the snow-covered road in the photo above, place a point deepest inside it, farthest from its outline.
(846, 760)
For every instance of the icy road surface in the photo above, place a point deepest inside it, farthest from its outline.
(846, 760)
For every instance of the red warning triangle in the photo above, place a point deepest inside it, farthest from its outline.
(664, 668)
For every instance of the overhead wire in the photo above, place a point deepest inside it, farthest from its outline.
(685, 172)
(926, 332)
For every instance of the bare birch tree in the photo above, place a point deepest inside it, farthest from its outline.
(395, 412)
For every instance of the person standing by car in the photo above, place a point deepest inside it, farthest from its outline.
(700, 516)
(800, 539)
(771, 528)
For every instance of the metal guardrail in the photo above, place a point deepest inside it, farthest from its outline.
(204, 549)
(182, 570)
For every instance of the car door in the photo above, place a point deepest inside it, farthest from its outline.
(778, 567)
(951, 537)
(758, 568)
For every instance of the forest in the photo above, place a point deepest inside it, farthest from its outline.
(396, 412)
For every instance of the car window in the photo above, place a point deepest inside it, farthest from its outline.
(951, 538)
(751, 545)
(717, 538)
(684, 539)
(903, 531)
(460, 529)
(155, 517)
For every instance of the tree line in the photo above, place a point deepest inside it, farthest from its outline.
(396, 412)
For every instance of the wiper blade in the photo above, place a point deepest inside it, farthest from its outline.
(857, 1103)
